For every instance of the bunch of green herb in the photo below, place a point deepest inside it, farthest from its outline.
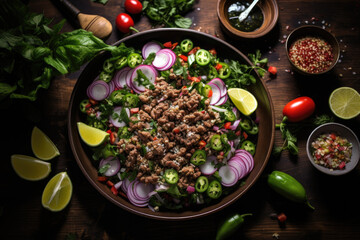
(289, 131)
(241, 73)
(168, 12)
(32, 53)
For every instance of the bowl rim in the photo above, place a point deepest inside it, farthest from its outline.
(254, 34)
(289, 41)
(196, 214)
(334, 126)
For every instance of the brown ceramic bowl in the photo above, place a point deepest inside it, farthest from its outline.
(317, 32)
(269, 9)
(264, 112)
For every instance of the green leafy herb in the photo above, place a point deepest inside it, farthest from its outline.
(288, 131)
(168, 12)
(32, 53)
(241, 75)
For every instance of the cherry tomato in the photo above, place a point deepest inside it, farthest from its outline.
(133, 6)
(299, 109)
(272, 70)
(124, 22)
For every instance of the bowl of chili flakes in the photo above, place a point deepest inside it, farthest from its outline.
(312, 50)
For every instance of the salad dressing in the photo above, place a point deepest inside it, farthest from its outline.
(254, 20)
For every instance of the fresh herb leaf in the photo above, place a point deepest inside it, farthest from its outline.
(100, 1)
(168, 12)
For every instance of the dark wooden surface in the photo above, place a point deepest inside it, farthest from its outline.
(90, 216)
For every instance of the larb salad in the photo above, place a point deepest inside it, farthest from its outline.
(176, 140)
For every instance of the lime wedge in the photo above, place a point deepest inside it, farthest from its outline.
(344, 102)
(41, 145)
(57, 193)
(30, 168)
(90, 135)
(243, 100)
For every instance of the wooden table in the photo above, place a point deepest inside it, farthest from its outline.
(90, 216)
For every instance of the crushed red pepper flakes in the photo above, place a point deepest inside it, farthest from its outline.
(311, 54)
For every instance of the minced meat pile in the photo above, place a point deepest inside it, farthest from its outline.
(170, 126)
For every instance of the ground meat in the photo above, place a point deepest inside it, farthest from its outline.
(168, 127)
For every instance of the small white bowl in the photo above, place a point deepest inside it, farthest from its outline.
(342, 131)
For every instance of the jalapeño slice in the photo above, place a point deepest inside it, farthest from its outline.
(245, 124)
(202, 184)
(230, 116)
(202, 57)
(186, 45)
(134, 59)
(215, 142)
(214, 189)
(248, 146)
(224, 71)
(198, 158)
(121, 62)
(171, 176)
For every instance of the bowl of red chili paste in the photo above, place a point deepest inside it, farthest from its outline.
(312, 50)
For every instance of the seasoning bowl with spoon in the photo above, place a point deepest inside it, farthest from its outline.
(312, 50)
(247, 19)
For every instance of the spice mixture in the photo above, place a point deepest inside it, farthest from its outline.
(332, 151)
(312, 55)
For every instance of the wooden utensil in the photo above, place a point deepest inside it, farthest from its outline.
(96, 24)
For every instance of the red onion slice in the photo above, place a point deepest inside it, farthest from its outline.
(120, 77)
(98, 90)
(150, 47)
(208, 168)
(216, 95)
(116, 121)
(114, 166)
(222, 100)
(229, 175)
(148, 71)
(132, 197)
(218, 82)
(142, 190)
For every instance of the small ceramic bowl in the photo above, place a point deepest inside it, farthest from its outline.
(270, 11)
(313, 32)
(342, 131)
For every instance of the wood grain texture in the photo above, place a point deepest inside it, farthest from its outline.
(90, 216)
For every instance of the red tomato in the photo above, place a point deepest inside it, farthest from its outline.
(272, 70)
(133, 6)
(124, 22)
(299, 109)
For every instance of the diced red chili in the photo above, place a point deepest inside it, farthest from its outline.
(176, 130)
(245, 135)
(202, 144)
(183, 57)
(134, 110)
(114, 190)
(194, 50)
(227, 125)
(102, 178)
(168, 44)
(213, 51)
(210, 93)
(92, 101)
(218, 66)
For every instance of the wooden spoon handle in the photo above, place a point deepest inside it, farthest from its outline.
(72, 9)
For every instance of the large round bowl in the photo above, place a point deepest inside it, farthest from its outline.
(264, 112)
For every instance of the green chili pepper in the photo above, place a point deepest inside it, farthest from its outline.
(214, 189)
(246, 124)
(230, 116)
(248, 146)
(288, 187)
(108, 66)
(230, 226)
(186, 45)
(83, 105)
(224, 71)
(206, 90)
(121, 62)
(215, 142)
(202, 57)
(117, 96)
(134, 59)
(212, 73)
(202, 184)
(198, 158)
(171, 176)
(105, 76)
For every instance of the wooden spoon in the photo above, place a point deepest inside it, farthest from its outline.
(96, 24)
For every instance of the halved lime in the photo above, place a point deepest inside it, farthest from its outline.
(344, 102)
(243, 100)
(57, 193)
(90, 135)
(30, 168)
(41, 145)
